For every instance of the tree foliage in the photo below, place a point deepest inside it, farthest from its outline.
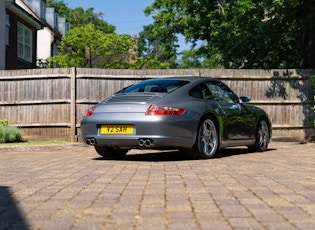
(92, 42)
(245, 34)
(234, 34)
(86, 46)
(157, 52)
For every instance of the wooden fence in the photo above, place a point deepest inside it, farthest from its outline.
(49, 103)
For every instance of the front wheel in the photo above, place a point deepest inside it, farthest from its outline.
(262, 137)
(111, 152)
(207, 141)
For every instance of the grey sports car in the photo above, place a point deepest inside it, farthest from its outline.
(196, 115)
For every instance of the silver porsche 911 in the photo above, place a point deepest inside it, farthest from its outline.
(196, 115)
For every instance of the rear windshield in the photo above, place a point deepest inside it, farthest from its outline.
(156, 85)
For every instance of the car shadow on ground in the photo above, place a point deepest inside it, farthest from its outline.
(175, 155)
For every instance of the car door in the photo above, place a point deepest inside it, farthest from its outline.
(235, 116)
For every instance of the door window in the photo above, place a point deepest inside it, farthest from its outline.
(221, 92)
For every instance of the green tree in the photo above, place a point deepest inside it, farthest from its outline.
(60, 6)
(245, 34)
(190, 59)
(157, 48)
(80, 17)
(258, 35)
(86, 46)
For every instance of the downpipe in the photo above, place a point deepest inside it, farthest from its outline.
(90, 141)
(145, 143)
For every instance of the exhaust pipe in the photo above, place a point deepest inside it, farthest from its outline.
(90, 141)
(147, 143)
(141, 142)
(87, 141)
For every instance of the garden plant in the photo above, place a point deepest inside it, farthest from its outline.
(9, 134)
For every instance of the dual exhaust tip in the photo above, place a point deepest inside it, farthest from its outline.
(143, 143)
(147, 143)
(90, 141)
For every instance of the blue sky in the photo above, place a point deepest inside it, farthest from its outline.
(126, 15)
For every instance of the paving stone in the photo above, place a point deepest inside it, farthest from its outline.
(71, 187)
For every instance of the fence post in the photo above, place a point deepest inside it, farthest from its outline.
(73, 105)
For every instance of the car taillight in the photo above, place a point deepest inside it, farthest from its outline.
(90, 111)
(163, 110)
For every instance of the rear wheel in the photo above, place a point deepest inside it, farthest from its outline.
(207, 141)
(112, 152)
(262, 137)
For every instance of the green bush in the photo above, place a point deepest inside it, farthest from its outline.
(9, 134)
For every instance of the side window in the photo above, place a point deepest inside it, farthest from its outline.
(195, 92)
(221, 92)
(201, 91)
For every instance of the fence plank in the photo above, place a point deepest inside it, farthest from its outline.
(50, 102)
(73, 136)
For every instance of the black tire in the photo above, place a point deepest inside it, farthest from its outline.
(262, 136)
(207, 141)
(110, 152)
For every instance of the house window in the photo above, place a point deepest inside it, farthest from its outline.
(7, 30)
(25, 40)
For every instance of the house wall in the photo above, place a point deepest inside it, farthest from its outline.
(44, 40)
(2, 34)
(47, 36)
(12, 61)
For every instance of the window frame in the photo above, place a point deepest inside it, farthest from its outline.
(24, 43)
(221, 92)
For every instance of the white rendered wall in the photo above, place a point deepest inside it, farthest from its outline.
(44, 44)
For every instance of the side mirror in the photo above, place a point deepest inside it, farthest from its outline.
(244, 99)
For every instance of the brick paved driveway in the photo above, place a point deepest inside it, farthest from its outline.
(70, 187)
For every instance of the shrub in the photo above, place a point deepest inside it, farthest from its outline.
(9, 134)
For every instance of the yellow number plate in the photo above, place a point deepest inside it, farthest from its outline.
(116, 129)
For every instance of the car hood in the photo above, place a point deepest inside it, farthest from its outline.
(128, 102)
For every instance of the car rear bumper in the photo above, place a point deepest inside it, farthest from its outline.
(139, 142)
(162, 131)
